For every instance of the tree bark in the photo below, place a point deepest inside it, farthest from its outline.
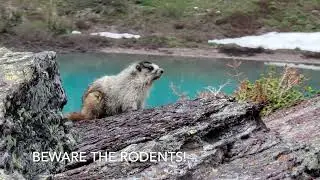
(221, 139)
(183, 126)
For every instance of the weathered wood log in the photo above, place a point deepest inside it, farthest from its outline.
(184, 126)
(222, 139)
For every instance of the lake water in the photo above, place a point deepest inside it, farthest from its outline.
(188, 75)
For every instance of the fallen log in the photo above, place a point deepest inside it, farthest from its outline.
(186, 126)
(221, 139)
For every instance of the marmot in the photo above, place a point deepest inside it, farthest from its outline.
(110, 95)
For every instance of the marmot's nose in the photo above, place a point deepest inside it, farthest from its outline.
(161, 71)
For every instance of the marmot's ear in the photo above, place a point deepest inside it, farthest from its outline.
(138, 67)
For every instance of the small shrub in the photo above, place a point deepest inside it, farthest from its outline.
(178, 92)
(274, 90)
(290, 15)
(179, 25)
(57, 24)
(151, 42)
(35, 30)
(60, 25)
(82, 42)
(213, 92)
(169, 8)
(83, 25)
(106, 7)
(144, 2)
(9, 17)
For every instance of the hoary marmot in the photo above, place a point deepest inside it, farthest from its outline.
(110, 95)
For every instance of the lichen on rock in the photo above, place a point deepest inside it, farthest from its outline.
(31, 100)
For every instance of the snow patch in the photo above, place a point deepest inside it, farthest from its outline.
(116, 35)
(75, 32)
(300, 66)
(275, 40)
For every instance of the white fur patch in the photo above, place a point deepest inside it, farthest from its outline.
(156, 67)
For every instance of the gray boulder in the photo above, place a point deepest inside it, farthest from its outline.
(31, 99)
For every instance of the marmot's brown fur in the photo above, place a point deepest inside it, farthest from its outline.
(92, 107)
(124, 92)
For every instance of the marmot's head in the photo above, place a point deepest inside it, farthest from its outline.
(148, 70)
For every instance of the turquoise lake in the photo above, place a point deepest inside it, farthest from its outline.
(188, 75)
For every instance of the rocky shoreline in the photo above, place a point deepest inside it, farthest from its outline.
(281, 56)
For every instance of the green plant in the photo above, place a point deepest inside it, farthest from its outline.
(152, 42)
(169, 8)
(9, 17)
(56, 23)
(146, 2)
(35, 30)
(274, 90)
(291, 15)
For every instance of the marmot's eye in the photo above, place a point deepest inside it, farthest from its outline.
(150, 68)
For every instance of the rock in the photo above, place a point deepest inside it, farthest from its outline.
(235, 50)
(13, 176)
(315, 11)
(309, 54)
(31, 99)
